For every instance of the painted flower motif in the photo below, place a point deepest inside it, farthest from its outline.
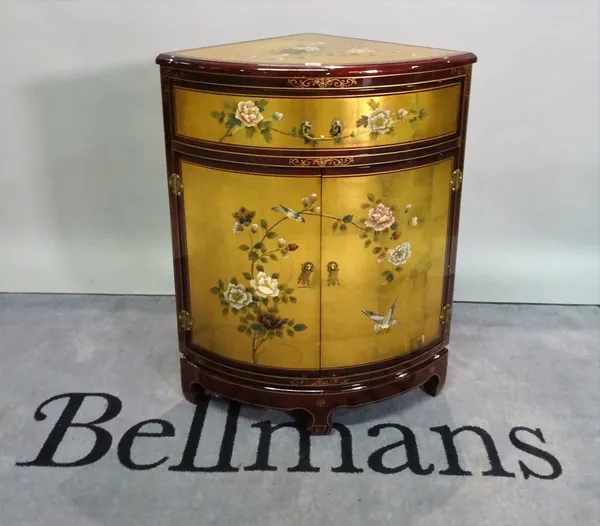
(237, 296)
(380, 218)
(277, 116)
(237, 228)
(381, 257)
(359, 51)
(317, 209)
(265, 286)
(254, 228)
(243, 216)
(313, 197)
(281, 242)
(402, 113)
(306, 49)
(270, 321)
(414, 221)
(399, 255)
(248, 113)
(305, 202)
(380, 121)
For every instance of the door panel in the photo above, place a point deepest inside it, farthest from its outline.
(382, 257)
(269, 322)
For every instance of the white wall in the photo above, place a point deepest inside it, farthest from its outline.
(83, 203)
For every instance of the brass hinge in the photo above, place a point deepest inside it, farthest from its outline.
(184, 319)
(456, 180)
(175, 184)
(446, 314)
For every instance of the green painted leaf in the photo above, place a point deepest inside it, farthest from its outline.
(264, 224)
(276, 299)
(263, 249)
(348, 218)
(250, 131)
(252, 256)
(390, 277)
(376, 250)
(335, 226)
(247, 275)
(271, 234)
(261, 104)
(385, 272)
(244, 247)
(235, 311)
(266, 133)
(371, 198)
(232, 121)
(299, 327)
(289, 291)
(291, 323)
(225, 311)
(225, 302)
(279, 334)
(284, 299)
(394, 226)
(373, 135)
(248, 331)
(275, 275)
(234, 280)
(264, 301)
(221, 284)
(273, 257)
(293, 299)
(289, 332)
(242, 328)
(229, 105)
(373, 104)
(273, 310)
(343, 227)
(264, 259)
(256, 327)
(215, 290)
(260, 268)
(216, 114)
(258, 245)
(367, 243)
(271, 335)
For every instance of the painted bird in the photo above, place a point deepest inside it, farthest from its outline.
(383, 323)
(289, 213)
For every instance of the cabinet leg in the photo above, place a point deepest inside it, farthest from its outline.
(192, 390)
(435, 383)
(320, 421)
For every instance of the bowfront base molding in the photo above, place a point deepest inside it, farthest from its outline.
(318, 404)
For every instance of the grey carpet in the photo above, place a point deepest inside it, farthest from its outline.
(510, 366)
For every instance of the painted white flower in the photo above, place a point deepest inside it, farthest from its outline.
(317, 209)
(407, 207)
(254, 228)
(248, 113)
(277, 116)
(237, 296)
(281, 242)
(414, 221)
(305, 202)
(313, 197)
(359, 51)
(399, 255)
(306, 49)
(237, 228)
(380, 121)
(402, 113)
(285, 254)
(380, 218)
(265, 286)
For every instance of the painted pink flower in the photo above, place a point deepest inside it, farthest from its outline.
(380, 218)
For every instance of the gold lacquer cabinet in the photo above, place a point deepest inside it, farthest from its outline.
(314, 185)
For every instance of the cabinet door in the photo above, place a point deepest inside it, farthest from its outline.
(385, 239)
(245, 237)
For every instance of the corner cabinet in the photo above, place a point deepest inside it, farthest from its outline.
(314, 185)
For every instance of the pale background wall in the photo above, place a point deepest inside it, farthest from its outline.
(83, 203)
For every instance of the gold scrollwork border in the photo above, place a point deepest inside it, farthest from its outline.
(321, 162)
(316, 382)
(322, 82)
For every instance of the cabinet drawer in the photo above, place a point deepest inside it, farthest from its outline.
(334, 122)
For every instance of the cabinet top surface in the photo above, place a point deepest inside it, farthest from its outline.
(313, 50)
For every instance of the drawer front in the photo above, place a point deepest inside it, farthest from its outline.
(309, 122)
